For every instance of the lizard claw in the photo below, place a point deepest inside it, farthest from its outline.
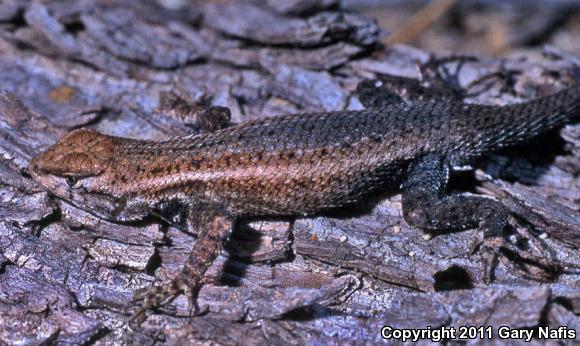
(151, 298)
(492, 248)
(157, 296)
(193, 308)
(487, 250)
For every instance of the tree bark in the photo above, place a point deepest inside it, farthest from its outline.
(66, 277)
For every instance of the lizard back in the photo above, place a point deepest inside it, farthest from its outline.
(303, 163)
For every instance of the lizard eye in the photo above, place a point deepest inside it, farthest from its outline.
(72, 182)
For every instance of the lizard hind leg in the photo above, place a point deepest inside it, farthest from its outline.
(426, 205)
(216, 226)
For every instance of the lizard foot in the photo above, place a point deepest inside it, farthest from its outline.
(533, 263)
(158, 296)
(487, 250)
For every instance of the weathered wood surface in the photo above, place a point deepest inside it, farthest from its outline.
(67, 277)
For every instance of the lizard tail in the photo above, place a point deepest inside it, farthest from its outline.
(522, 121)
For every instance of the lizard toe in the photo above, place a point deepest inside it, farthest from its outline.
(493, 248)
(153, 297)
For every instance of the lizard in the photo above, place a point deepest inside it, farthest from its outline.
(297, 165)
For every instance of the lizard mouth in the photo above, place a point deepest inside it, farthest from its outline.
(100, 204)
(53, 183)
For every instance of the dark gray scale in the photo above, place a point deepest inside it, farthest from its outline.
(173, 211)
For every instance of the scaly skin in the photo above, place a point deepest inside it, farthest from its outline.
(294, 165)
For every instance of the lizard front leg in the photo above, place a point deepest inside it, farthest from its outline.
(215, 227)
(427, 205)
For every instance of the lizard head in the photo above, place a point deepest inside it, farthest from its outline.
(76, 170)
(80, 154)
